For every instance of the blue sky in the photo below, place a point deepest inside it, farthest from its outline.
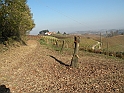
(77, 15)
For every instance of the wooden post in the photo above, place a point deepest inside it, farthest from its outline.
(107, 44)
(63, 43)
(57, 43)
(100, 40)
(107, 49)
(74, 61)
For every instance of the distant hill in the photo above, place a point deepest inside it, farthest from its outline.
(102, 31)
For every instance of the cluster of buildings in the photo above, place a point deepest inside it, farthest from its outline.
(46, 32)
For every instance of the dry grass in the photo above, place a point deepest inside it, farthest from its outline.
(115, 43)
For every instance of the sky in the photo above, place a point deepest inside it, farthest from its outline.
(76, 15)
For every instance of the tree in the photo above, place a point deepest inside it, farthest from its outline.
(64, 33)
(43, 32)
(15, 19)
(58, 32)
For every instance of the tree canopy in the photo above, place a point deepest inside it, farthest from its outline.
(58, 32)
(15, 19)
(43, 31)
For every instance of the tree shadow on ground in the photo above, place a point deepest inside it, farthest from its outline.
(62, 63)
(3, 89)
(1, 40)
(23, 42)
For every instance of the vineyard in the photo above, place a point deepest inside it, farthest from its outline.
(114, 48)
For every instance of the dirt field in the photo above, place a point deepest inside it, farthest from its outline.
(36, 69)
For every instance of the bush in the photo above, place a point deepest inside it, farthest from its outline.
(42, 42)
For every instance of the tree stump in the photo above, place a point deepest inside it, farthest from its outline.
(74, 61)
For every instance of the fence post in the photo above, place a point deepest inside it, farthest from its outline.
(57, 43)
(63, 43)
(74, 61)
(100, 40)
(107, 44)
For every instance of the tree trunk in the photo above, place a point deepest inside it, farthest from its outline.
(74, 61)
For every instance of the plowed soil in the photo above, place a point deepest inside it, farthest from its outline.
(36, 69)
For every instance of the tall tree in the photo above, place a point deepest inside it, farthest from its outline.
(15, 19)
(58, 32)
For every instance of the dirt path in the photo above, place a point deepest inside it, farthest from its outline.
(36, 69)
(14, 65)
(26, 69)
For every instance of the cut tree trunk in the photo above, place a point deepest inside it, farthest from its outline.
(74, 61)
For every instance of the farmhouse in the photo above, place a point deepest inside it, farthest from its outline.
(48, 33)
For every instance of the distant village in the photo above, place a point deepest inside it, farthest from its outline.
(47, 32)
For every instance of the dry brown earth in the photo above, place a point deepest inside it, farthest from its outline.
(36, 69)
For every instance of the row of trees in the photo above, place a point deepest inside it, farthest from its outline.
(15, 19)
(115, 33)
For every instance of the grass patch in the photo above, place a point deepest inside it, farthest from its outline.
(42, 42)
(115, 43)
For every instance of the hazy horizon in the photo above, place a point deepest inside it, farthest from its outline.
(77, 15)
